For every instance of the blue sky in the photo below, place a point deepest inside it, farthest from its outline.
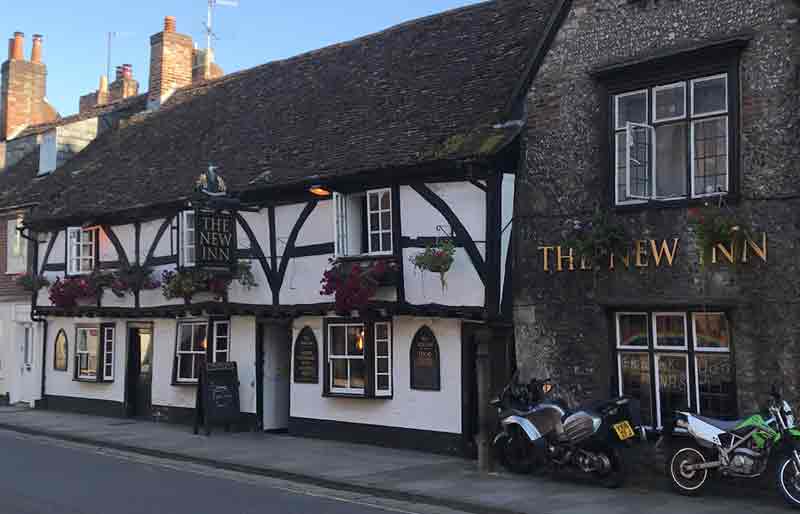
(258, 31)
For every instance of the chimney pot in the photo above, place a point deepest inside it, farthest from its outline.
(36, 50)
(169, 24)
(19, 42)
(118, 73)
(127, 71)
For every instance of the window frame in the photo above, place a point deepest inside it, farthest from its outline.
(380, 232)
(706, 119)
(388, 357)
(227, 337)
(370, 358)
(100, 375)
(70, 250)
(210, 352)
(15, 263)
(66, 351)
(690, 353)
(184, 227)
(342, 221)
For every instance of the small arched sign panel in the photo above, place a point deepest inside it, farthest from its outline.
(425, 363)
(306, 358)
(61, 351)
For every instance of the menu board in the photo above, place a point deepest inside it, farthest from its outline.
(306, 358)
(217, 396)
(425, 363)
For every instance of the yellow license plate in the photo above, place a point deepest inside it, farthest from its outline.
(623, 430)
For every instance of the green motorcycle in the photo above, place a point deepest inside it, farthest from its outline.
(738, 449)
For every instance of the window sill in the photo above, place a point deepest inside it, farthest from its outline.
(185, 384)
(730, 199)
(366, 257)
(87, 380)
(362, 396)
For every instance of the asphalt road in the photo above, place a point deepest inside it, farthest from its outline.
(43, 476)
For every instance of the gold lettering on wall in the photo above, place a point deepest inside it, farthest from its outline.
(641, 254)
(546, 256)
(664, 251)
(570, 257)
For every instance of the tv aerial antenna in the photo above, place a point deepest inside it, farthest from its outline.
(208, 24)
(110, 36)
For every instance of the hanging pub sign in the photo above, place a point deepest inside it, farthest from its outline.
(217, 401)
(215, 238)
(306, 358)
(425, 366)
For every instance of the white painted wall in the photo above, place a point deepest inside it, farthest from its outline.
(148, 233)
(438, 411)
(506, 215)
(318, 228)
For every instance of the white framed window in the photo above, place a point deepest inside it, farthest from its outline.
(679, 367)
(27, 346)
(191, 350)
(671, 141)
(87, 352)
(222, 341)
(347, 369)
(81, 250)
(188, 242)
(383, 359)
(363, 223)
(17, 249)
(108, 353)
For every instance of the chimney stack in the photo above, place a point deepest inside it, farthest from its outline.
(36, 50)
(17, 53)
(23, 89)
(170, 63)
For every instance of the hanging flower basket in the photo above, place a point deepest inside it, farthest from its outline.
(133, 278)
(353, 284)
(69, 292)
(436, 259)
(31, 282)
(186, 283)
(597, 238)
(717, 226)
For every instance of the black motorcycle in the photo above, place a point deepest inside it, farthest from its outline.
(545, 434)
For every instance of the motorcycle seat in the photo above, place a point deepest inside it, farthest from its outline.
(727, 426)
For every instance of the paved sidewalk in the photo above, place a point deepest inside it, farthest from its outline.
(400, 474)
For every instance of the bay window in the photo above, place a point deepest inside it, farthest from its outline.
(193, 350)
(94, 353)
(675, 361)
(363, 223)
(82, 250)
(358, 358)
(672, 141)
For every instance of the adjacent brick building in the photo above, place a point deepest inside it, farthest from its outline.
(658, 116)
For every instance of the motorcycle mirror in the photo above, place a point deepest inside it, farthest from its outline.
(546, 387)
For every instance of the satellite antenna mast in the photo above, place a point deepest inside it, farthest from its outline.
(211, 4)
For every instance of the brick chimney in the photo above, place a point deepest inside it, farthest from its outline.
(203, 65)
(23, 89)
(170, 63)
(124, 86)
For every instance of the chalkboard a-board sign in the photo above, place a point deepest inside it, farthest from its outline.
(306, 358)
(425, 363)
(217, 396)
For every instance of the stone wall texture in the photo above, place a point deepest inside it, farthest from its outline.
(562, 320)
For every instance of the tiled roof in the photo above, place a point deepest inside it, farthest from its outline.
(432, 89)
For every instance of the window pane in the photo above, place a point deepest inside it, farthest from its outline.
(632, 107)
(199, 360)
(670, 102)
(185, 366)
(640, 150)
(635, 378)
(386, 221)
(382, 348)
(385, 200)
(383, 383)
(374, 221)
(711, 330)
(373, 202)
(199, 338)
(185, 344)
(381, 331)
(621, 158)
(633, 330)
(222, 329)
(375, 242)
(383, 365)
(355, 340)
(386, 242)
(672, 384)
(709, 95)
(339, 372)
(670, 330)
(337, 340)
(715, 385)
(710, 155)
(357, 373)
(671, 162)
(221, 357)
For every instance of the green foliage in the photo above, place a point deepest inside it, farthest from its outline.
(598, 238)
(717, 226)
(188, 282)
(31, 282)
(437, 258)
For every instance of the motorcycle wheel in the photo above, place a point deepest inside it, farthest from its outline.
(517, 453)
(616, 476)
(687, 482)
(789, 481)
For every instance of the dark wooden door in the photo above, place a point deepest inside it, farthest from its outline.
(140, 371)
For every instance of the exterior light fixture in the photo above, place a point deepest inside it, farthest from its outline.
(319, 190)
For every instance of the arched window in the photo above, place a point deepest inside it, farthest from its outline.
(61, 351)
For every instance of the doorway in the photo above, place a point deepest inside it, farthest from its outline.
(139, 376)
(273, 344)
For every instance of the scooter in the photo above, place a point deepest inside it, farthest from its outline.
(589, 440)
(739, 449)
